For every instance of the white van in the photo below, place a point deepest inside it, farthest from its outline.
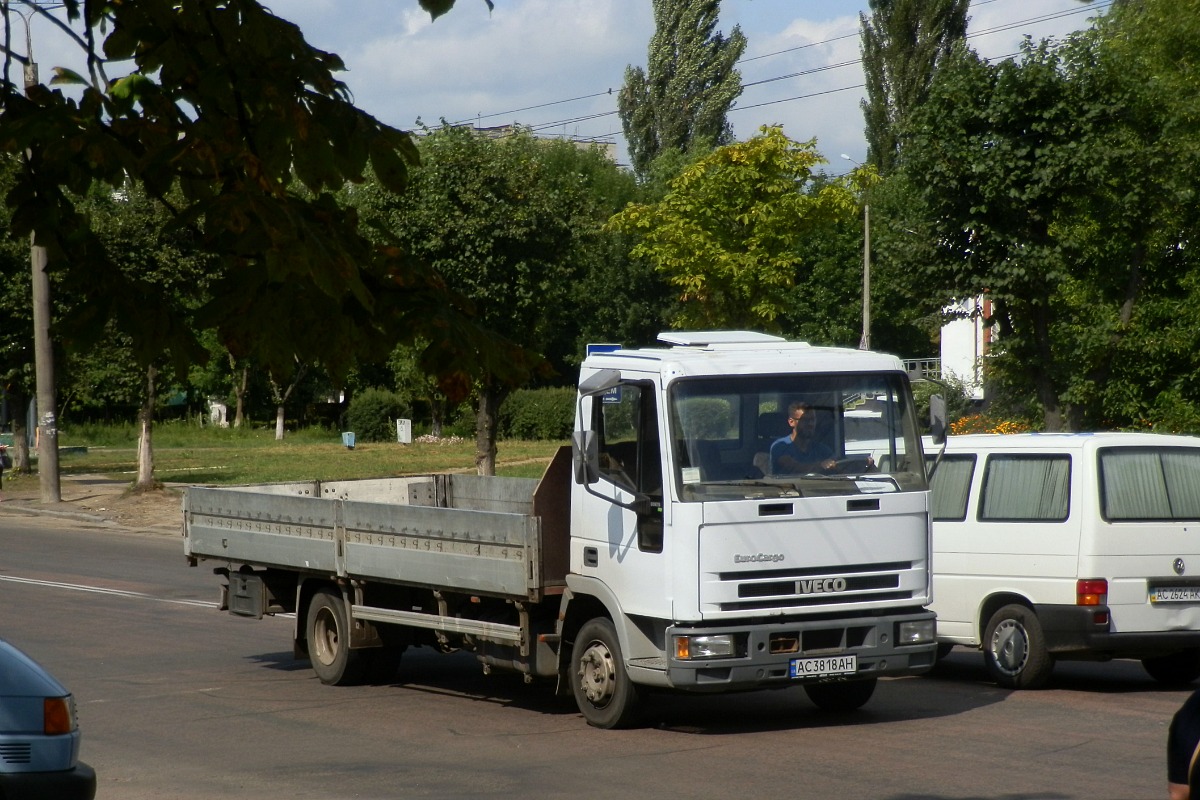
(1069, 546)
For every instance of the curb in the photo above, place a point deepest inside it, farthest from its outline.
(14, 507)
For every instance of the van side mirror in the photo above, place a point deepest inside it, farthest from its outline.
(937, 418)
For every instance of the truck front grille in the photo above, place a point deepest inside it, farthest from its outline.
(801, 588)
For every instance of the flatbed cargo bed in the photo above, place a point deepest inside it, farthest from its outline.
(502, 537)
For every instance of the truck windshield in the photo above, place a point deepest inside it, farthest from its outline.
(794, 435)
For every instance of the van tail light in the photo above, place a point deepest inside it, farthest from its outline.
(58, 715)
(1093, 592)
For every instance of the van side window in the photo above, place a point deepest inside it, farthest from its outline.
(1150, 483)
(1032, 488)
(951, 486)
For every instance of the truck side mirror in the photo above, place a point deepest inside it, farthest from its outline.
(937, 418)
(585, 448)
(585, 457)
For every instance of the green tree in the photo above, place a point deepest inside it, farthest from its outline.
(500, 219)
(683, 96)
(227, 101)
(411, 381)
(1041, 182)
(903, 43)
(1152, 363)
(729, 233)
(16, 332)
(138, 235)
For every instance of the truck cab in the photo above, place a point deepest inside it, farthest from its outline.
(719, 568)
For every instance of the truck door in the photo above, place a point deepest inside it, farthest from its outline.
(625, 545)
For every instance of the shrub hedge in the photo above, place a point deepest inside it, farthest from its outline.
(372, 415)
(537, 414)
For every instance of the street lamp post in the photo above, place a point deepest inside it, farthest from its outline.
(43, 354)
(865, 342)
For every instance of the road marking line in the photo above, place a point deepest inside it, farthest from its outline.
(75, 587)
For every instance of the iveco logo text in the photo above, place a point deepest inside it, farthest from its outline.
(821, 586)
(758, 558)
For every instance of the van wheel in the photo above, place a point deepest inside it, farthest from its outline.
(603, 690)
(1014, 649)
(844, 696)
(1177, 669)
(329, 641)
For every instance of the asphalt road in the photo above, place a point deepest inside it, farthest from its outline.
(177, 700)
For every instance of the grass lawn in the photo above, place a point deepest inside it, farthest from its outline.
(188, 454)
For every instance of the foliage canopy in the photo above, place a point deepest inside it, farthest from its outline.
(228, 104)
(683, 96)
(727, 233)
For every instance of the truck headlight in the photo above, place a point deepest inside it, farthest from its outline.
(916, 632)
(713, 646)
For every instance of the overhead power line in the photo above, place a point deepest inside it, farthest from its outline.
(1092, 8)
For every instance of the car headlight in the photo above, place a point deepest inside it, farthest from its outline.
(921, 631)
(710, 646)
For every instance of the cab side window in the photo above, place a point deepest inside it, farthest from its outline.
(626, 421)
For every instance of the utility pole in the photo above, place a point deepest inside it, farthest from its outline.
(864, 343)
(43, 353)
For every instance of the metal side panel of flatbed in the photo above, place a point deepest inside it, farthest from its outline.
(501, 536)
(475, 551)
(243, 526)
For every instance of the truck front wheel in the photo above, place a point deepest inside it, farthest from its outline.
(602, 688)
(329, 642)
(1014, 649)
(844, 696)
(1177, 669)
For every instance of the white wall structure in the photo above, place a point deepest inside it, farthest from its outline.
(218, 413)
(965, 342)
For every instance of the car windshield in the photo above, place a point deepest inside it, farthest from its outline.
(794, 435)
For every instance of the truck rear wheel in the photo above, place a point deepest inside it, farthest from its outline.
(329, 641)
(841, 696)
(1176, 669)
(381, 663)
(1014, 649)
(602, 688)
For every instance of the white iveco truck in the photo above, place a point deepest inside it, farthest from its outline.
(660, 552)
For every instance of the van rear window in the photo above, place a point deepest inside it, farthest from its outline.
(1026, 488)
(1150, 483)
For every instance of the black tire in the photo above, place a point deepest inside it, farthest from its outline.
(329, 642)
(841, 695)
(602, 688)
(380, 664)
(1176, 669)
(1014, 649)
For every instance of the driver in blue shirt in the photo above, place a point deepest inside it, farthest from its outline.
(800, 451)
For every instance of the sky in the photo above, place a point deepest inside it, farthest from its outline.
(557, 65)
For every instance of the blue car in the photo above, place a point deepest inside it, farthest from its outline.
(39, 734)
